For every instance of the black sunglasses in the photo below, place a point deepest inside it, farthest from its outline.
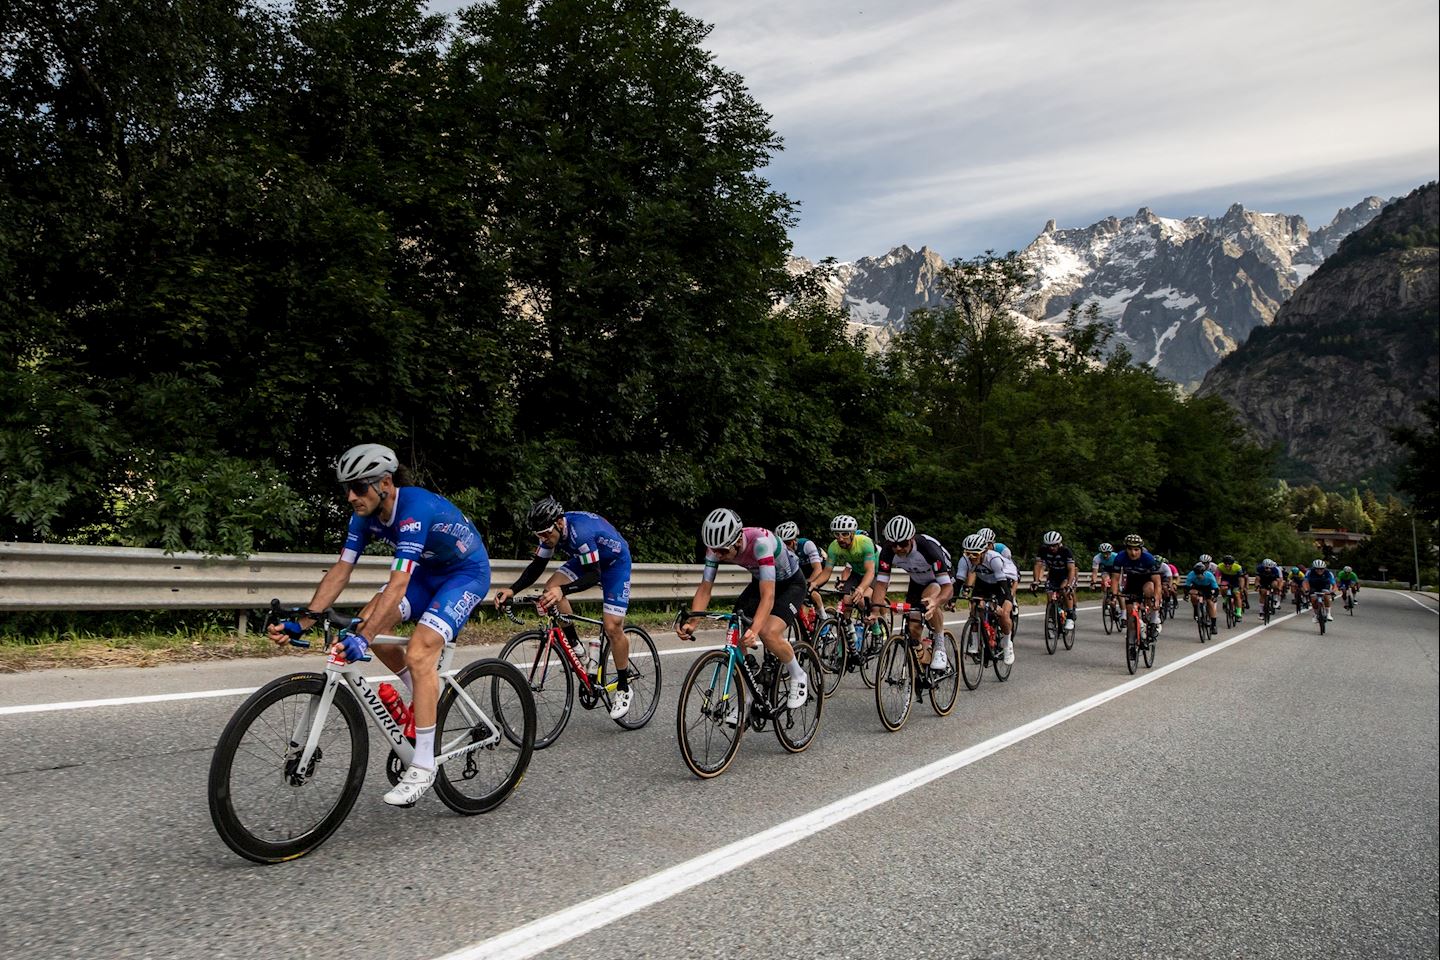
(357, 487)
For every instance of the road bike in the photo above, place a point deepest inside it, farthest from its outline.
(554, 670)
(1317, 604)
(1347, 596)
(1232, 608)
(1203, 622)
(847, 644)
(1055, 627)
(982, 638)
(1112, 613)
(727, 692)
(825, 634)
(1140, 637)
(904, 675)
(292, 759)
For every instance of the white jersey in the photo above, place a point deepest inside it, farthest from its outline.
(991, 568)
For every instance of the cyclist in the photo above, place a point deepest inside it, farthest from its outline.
(1168, 573)
(849, 549)
(809, 555)
(1056, 563)
(927, 562)
(988, 574)
(1234, 580)
(1269, 581)
(1297, 581)
(1320, 582)
(1349, 582)
(1102, 565)
(772, 599)
(990, 543)
(1202, 585)
(440, 573)
(1140, 580)
(595, 550)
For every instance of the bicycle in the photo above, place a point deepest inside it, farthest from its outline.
(1317, 604)
(1055, 631)
(981, 646)
(713, 703)
(1139, 638)
(1111, 612)
(1232, 609)
(292, 758)
(901, 677)
(1347, 596)
(846, 643)
(823, 633)
(1204, 622)
(552, 669)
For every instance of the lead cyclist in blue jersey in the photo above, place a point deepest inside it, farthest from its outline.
(440, 573)
(596, 550)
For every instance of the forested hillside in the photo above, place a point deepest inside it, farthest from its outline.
(532, 248)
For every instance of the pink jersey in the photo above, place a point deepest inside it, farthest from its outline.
(762, 554)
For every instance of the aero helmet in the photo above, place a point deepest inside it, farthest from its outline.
(368, 461)
(844, 524)
(721, 528)
(899, 529)
(1053, 538)
(789, 530)
(544, 513)
(975, 543)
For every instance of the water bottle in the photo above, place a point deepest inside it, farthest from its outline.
(393, 702)
(592, 660)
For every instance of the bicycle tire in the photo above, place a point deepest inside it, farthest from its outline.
(895, 683)
(830, 645)
(1107, 617)
(1052, 627)
(506, 760)
(702, 682)
(552, 710)
(806, 716)
(1132, 644)
(945, 689)
(644, 685)
(1148, 650)
(1202, 622)
(1320, 617)
(1067, 636)
(874, 641)
(239, 831)
(972, 656)
(997, 663)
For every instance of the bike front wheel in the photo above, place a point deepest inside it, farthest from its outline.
(644, 679)
(972, 656)
(875, 636)
(712, 715)
(796, 727)
(1107, 618)
(495, 755)
(894, 683)
(1132, 645)
(551, 684)
(1052, 627)
(264, 806)
(1148, 650)
(831, 647)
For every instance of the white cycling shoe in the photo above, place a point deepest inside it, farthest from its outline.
(799, 693)
(939, 663)
(621, 704)
(412, 786)
(1009, 653)
(1069, 623)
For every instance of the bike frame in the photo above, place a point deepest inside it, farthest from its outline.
(555, 636)
(735, 656)
(341, 673)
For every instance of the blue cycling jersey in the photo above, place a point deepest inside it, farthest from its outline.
(1105, 562)
(590, 540)
(1206, 579)
(426, 530)
(1320, 580)
(1143, 565)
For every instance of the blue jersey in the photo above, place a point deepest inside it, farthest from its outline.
(1141, 566)
(590, 541)
(1320, 580)
(1206, 579)
(1104, 562)
(426, 531)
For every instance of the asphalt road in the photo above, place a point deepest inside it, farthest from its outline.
(1277, 798)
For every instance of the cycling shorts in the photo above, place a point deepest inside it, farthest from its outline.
(1058, 578)
(997, 591)
(916, 592)
(443, 600)
(790, 594)
(1205, 590)
(1134, 585)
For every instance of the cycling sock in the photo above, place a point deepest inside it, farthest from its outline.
(424, 748)
(622, 678)
(404, 677)
(571, 635)
(793, 668)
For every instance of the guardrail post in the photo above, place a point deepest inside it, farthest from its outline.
(242, 622)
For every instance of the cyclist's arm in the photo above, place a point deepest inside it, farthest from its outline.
(763, 608)
(336, 579)
(386, 614)
(869, 576)
(1074, 572)
(527, 576)
(819, 578)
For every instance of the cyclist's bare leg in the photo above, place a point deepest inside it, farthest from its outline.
(772, 634)
(619, 642)
(392, 655)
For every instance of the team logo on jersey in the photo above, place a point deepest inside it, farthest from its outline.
(410, 525)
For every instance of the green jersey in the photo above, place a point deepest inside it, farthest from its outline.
(1351, 577)
(862, 548)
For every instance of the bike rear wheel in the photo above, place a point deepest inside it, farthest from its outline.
(945, 686)
(831, 647)
(875, 636)
(644, 667)
(895, 683)
(480, 779)
(712, 714)
(263, 806)
(972, 656)
(1052, 627)
(1202, 622)
(552, 687)
(1001, 668)
(796, 727)
(1148, 648)
(1107, 617)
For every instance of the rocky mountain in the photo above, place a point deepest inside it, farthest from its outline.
(1352, 353)
(1182, 293)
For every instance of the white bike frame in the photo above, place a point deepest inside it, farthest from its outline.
(338, 669)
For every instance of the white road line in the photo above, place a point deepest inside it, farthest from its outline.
(565, 925)
(1421, 602)
(207, 694)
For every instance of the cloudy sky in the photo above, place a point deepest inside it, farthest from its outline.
(966, 125)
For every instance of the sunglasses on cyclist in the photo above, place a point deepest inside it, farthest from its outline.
(357, 487)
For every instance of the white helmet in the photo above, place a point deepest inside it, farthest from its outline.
(721, 528)
(844, 524)
(1347, 570)
(368, 461)
(789, 530)
(987, 533)
(1053, 538)
(899, 529)
(974, 542)
(1205, 558)
(1317, 565)
(1107, 548)
(1267, 562)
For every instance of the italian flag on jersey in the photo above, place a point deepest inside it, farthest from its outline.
(404, 566)
(589, 555)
